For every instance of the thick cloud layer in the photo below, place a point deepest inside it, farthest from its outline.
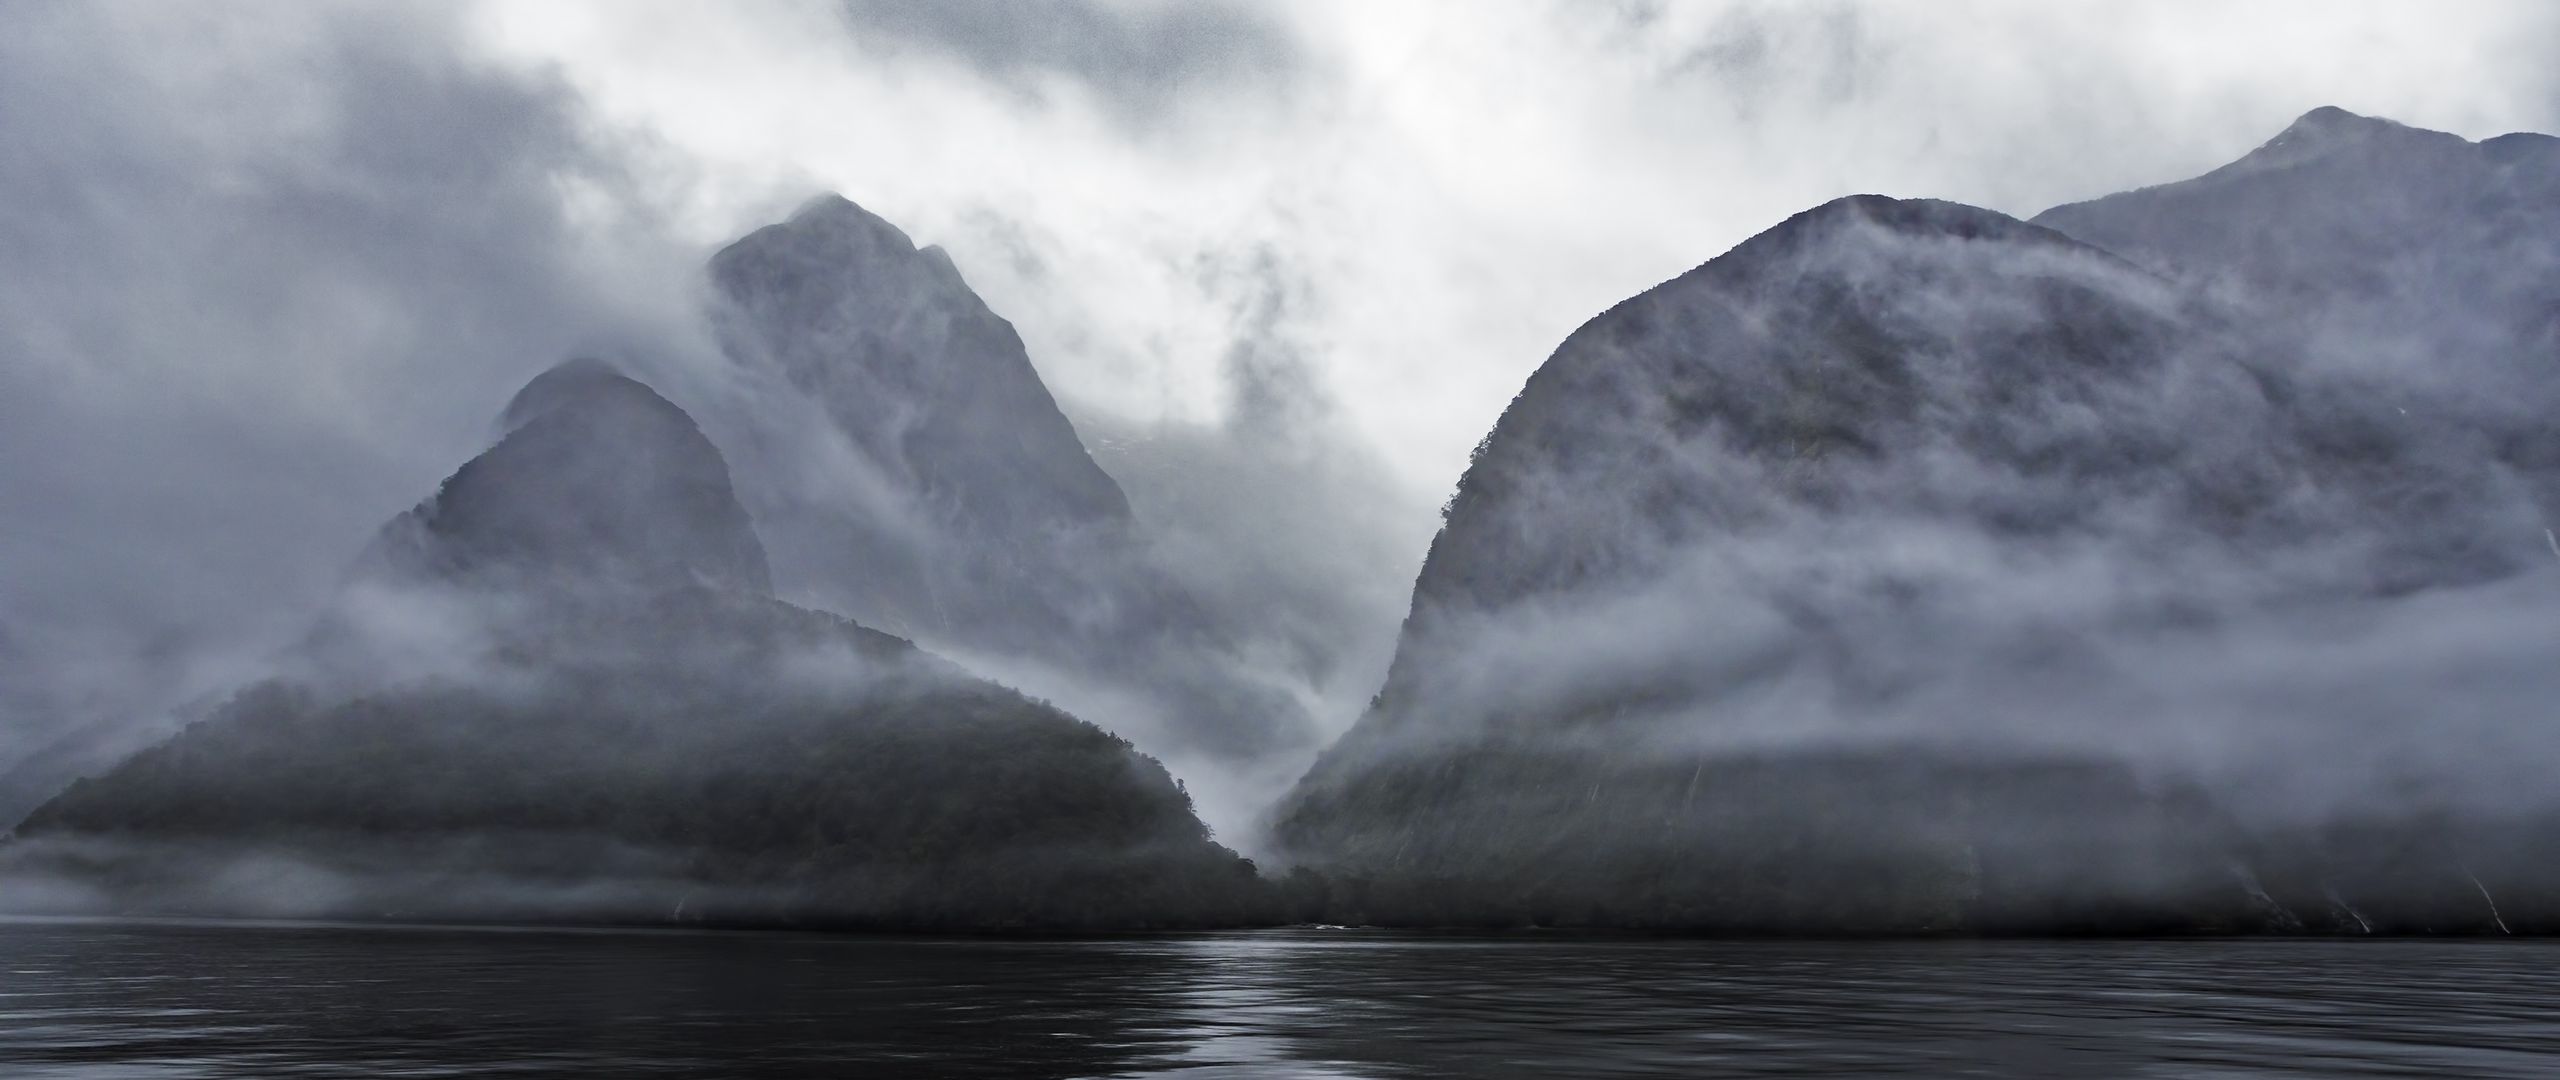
(1439, 193)
(1141, 61)
(1463, 183)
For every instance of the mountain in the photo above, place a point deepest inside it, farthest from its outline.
(615, 721)
(909, 468)
(2432, 249)
(1914, 568)
(928, 382)
(596, 479)
(939, 404)
(2410, 259)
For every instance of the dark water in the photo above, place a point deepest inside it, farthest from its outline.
(92, 999)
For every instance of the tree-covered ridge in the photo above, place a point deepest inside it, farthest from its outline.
(1911, 475)
(923, 800)
(559, 690)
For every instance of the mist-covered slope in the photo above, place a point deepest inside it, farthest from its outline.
(928, 385)
(2411, 262)
(2395, 247)
(597, 480)
(1910, 567)
(908, 468)
(559, 690)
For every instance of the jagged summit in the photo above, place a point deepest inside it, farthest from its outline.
(918, 374)
(908, 468)
(846, 225)
(843, 229)
(596, 479)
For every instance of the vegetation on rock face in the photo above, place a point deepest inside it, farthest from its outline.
(1862, 580)
(1868, 841)
(618, 725)
(921, 801)
(1857, 581)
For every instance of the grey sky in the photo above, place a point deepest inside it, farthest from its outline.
(1465, 182)
(266, 282)
(1144, 62)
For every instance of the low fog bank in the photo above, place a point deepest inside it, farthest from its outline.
(580, 750)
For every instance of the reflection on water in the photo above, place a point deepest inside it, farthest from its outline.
(114, 999)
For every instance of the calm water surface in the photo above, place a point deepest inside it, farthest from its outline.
(152, 1000)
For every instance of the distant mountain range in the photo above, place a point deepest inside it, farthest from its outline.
(2178, 561)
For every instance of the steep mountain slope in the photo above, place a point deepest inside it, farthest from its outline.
(597, 480)
(971, 467)
(2407, 247)
(615, 722)
(2409, 260)
(1887, 573)
(942, 494)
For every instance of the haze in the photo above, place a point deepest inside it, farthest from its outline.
(272, 268)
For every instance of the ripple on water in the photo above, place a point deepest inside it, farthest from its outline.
(101, 1000)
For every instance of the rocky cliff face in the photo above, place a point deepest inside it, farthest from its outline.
(942, 494)
(933, 387)
(966, 500)
(1835, 585)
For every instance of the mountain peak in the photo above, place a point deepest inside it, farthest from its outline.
(1934, 217)
(566, 384)
(2330, 130)
(912, 367)
(845, 226)
(1874, 217)
(2331, 124)
(595, 477)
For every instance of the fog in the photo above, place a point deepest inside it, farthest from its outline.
(268, 272)
(268, 280)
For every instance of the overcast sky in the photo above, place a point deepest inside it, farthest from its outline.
(1447, 189)
(267, 270)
